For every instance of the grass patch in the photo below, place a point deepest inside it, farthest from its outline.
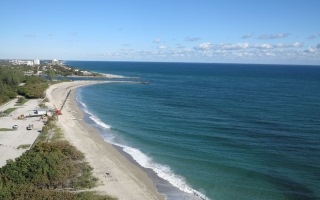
(50, 132)
(9, 110)
(19, 104)
(21, 101)
(57, 134)
(24, 146)
(42, 104)
(6, 129)
(47, 130)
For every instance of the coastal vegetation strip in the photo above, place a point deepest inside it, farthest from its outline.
(6, 129)
(27, 81)
(10, 110)
(23, 146)
(51, 169)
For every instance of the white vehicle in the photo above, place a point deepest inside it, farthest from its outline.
(15, 127)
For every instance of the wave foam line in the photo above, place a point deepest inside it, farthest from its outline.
(93, 117)
(162, 171)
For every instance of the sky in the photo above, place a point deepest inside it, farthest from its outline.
(224, 31)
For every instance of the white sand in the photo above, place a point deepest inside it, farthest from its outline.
(117, 175)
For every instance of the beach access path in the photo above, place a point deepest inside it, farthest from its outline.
(117, 175)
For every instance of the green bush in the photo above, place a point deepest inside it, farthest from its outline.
(21, 100)
(47, 171)
(34, 87)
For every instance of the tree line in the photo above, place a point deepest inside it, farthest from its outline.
(12, 78)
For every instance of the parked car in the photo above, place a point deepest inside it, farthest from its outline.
(15, 126)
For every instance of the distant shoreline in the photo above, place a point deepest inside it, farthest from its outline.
(101, 75)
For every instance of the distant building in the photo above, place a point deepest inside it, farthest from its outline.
(55, 62)
(24, 62)
(36, 62)
(86, 73)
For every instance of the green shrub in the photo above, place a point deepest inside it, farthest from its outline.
(47, 171)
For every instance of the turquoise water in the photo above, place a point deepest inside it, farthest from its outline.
(221, 131)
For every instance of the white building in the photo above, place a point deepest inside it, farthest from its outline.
(25, 62)
(36, 62)
(55, 62)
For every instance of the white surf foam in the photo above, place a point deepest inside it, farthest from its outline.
(162, 171)
(93, 117)
(145, 161)
(112, 75)
(99, 122)
(82, 104)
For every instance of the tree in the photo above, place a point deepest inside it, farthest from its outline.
(51, 74)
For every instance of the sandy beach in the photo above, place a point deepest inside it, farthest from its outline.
(117, 175)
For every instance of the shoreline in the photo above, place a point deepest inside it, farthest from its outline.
(163, 185)
(118, 176)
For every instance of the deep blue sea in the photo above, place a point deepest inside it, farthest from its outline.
(220, 131)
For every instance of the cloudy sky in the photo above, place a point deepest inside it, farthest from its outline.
(228, 31)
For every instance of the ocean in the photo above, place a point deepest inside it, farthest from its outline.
(214, 131)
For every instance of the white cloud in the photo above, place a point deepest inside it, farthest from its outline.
(157, 40)
(313, 36)
(250, 35)
(180, 46)
(127, 49)
(112, 54)
(162, 47)
(204, 46)
(294, 45)
(262, 46)
(192, 39)
(233, 51)
(235, 46)
(279, 45)
(311, 50)
(273, 36)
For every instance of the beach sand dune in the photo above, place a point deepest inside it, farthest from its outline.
(117, 175)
